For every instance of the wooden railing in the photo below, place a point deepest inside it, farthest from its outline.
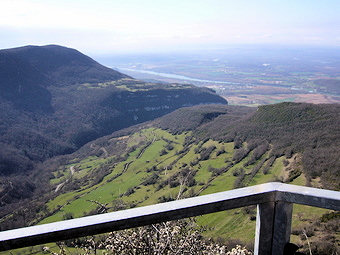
(273, 222)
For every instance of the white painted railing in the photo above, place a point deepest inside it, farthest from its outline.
(273, 223)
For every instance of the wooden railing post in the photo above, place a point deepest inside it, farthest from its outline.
(273, 227)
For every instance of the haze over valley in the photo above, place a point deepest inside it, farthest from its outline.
(245, 75)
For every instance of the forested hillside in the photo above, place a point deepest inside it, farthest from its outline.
(54, 99)
(191, 152)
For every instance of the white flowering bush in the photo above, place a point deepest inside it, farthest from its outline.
(238, 250)
(174, 237)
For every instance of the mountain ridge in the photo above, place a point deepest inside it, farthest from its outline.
(64, 66)
(27, 72)
(54, 99)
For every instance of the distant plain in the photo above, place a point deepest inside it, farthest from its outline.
(244, 75)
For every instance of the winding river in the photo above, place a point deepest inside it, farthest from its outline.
(176, 76)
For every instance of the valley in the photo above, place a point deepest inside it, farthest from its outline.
(185, 154)
(245, 75)
(78, 138)
(108, 107)
(116, 116)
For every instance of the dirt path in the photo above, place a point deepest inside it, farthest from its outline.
(72, 169)
(59, 187)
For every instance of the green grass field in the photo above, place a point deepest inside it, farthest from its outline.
(152, 156)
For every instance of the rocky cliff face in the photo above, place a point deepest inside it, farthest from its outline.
(146, 105)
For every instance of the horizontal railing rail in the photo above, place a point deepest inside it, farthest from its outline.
(273, 222)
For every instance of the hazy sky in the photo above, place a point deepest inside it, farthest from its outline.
(104, 26)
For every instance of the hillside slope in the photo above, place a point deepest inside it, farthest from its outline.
(60, 65)
(26, 72)
(55, 99)
(195, 151)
